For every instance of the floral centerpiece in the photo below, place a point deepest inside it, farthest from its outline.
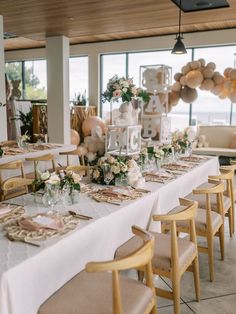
(181, 141)
(115, 168)
(23, 139)
(64, 178)
(121, 87)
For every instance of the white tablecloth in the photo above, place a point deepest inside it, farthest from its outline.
(29, 275)
(28, 165)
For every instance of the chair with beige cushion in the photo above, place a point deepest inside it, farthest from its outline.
(14, 186)
(82, 170)
(75, 152)
(227, 175)
(208, 223)
(37, 160)
(172, 255)
(101, 290)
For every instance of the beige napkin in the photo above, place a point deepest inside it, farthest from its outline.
(33, 223)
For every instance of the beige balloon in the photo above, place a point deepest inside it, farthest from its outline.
(173, 98)
(195, 65)
(232, 74)
(185, 69)
(218, 78)
(194, 79)
(207, 73)
(207, 85)
(211, 65)
(227, 71)
(90, 122)
(177, 76)
(188, 94)
(176, 87)
(183, 80)
(202, 61)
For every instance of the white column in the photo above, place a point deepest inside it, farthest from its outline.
(57, 51)
(94, 79)
(3, 113)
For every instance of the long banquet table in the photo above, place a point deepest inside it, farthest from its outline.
(29, 275)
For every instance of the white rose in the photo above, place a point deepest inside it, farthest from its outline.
(45, 176)
(125, 84)
(54, 179)
(76, 177)
(124, 90)
(124, 168)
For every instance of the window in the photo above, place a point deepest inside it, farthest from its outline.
(35, 79)
(78, 77)
(14, 72)
(111, 65)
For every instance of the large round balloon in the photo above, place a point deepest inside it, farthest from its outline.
(75, 138)
(188, 94)
(90, 122)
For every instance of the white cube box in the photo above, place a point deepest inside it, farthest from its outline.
(157, 128)
(123, 140)
(155, 78)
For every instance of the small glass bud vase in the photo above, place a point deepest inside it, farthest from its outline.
(51, 195)
(121, 181)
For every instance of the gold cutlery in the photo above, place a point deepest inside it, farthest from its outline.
(22, 240)
(72, 213)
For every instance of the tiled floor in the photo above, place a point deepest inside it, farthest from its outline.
(218, 297)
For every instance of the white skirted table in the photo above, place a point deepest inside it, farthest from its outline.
(29, 275)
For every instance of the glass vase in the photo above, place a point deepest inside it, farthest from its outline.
(51, 195)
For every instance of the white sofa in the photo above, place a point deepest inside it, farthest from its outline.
(219, 140)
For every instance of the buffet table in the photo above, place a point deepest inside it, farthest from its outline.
(29, 275)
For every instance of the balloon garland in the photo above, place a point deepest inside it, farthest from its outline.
(198, 74)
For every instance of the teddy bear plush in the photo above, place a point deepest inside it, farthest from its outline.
(15, 93)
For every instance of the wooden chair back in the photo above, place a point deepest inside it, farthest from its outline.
(13, 165)
(184, 213)
(14, 187)
(227, 175)
(8, 144)
(140, 258)
(36, 160)
(75, 152)
(82, 170)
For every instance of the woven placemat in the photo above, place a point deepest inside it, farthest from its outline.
(16, 212)
(15, 231)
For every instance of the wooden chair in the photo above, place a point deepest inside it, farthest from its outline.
(172, 255)
(8, 144)
(13, 186)
(91, 293)
(82, 170)
(227, 175)
(208, 222)
(36, 160)
(75, 152)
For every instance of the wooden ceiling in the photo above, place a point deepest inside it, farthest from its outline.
(101, 20)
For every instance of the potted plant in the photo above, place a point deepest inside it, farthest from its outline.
(26, 120)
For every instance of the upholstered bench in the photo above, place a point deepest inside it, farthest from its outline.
(220, 139)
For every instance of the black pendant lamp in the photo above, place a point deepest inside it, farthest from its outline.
(179, 47)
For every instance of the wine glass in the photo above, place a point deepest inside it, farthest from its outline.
(106, 168)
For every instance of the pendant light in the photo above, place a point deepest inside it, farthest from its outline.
(179, 47)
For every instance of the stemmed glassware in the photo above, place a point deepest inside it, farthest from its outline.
(106, 168)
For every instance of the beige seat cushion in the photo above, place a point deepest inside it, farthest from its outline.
(200, 221)
(162, 251)
(92, 293)
(215, 151)
(201, 199)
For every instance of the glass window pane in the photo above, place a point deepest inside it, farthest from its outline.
(208, 108)
(35, 79)
(179, 113)
(111, 65)
(14, 72)
(78, 77)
